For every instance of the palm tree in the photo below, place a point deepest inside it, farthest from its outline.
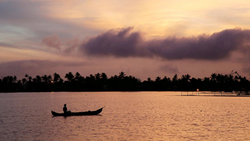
(49, 78)
(104, 76)
(149, 79)
(30, 78)
(45, 78)
(97, 76)
(69, 76)
(213, 77)
(187, 76)
(175, 78)
(121, 75)
(38, 78)
(56, 77)
(14, 79)
(157, 79)
(24, 80)
(77, 76)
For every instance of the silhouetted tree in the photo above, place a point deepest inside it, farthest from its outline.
(57, 77)
(39, 79)
(121, 82)
(121, 75)
(69, 76)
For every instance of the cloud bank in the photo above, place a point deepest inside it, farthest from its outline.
(127, 43)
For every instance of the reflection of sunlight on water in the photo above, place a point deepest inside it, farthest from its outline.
(52, 95)
(126, 116)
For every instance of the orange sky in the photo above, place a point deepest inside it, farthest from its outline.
(55, 30)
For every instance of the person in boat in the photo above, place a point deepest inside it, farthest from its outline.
(65, 108)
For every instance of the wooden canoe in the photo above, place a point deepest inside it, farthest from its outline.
(78, 113)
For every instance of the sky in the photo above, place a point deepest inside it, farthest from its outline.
(143, 38)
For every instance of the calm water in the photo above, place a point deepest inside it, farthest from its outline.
(126, 116)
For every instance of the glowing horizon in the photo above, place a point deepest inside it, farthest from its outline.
(61, 30)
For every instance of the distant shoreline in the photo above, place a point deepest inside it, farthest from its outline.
(184, 93)
(100, 82)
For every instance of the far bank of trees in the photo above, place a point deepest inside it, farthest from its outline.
(122, 82)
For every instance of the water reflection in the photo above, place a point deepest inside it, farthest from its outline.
(127, 116)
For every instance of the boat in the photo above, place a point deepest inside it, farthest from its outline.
(86, 113)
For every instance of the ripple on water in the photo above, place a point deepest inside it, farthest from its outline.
(126, 116)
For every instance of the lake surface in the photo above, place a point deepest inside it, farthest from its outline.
(127, 116)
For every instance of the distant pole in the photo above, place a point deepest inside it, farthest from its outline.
(197, 91)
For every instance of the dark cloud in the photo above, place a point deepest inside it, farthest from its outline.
(33, 67)
(125, 43)
(121, 43)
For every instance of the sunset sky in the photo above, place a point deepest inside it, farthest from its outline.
(143, 38)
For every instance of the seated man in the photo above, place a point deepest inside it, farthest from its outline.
(65, 108)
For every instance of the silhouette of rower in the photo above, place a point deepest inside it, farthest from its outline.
(65, 108)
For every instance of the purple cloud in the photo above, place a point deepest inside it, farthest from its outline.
(125, 43)
(119, 43)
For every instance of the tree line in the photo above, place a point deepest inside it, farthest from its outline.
(122, 82)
